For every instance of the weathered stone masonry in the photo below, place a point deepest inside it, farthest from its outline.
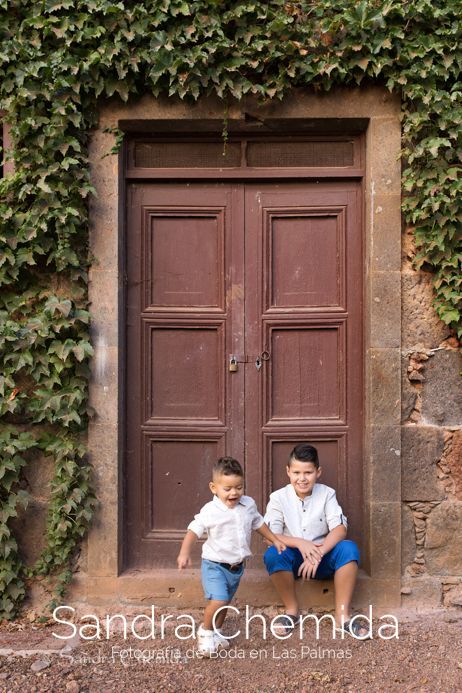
(431, 447)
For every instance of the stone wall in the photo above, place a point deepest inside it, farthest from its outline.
(431, 393)
(431, 447)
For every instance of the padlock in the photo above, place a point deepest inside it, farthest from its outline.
(232, 364)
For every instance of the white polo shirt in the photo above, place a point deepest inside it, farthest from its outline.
(228, 529)
(311, 518)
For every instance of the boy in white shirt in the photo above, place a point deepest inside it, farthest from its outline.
(228, 520)
(307, 517)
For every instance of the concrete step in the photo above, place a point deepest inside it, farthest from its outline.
(169, 587)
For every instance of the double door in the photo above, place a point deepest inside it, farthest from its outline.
(244, 337)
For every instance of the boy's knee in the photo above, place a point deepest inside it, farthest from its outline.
(347, 551)
(270, 558)
(288, 560)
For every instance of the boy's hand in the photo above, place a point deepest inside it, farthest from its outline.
(310, 551)
(308, 569)
(280, 546)
(184, 561)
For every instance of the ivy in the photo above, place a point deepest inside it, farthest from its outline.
(12, 587)
(59, 59)
(71, 507)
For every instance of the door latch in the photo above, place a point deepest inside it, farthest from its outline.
(264, 356)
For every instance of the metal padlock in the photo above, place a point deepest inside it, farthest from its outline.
(232, 364)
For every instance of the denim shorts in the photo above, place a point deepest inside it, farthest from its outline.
(219, 582)
(291, 559)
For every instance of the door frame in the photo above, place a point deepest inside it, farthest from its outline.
(240, 176)
(374, 112)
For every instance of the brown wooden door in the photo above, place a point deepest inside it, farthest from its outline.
(258, 271)
(303, 312)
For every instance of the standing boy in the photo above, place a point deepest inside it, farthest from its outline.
(307, 517)
(228, 520)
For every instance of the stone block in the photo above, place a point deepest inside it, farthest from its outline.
(103, 296)
(385, 386)
(386, 463)
(104, 534)
(443, 540)
(408, 392)
(104, 207)
(344, 102)
(38, 473)
(453, 596)
(384, 147)
(386, 233)
(103, 244)
(454, 461)
(385, 309)
(422, 447)
(104, 384)
(420, 323)
(385, 539)
(29, 530)
(421, 593)
(408, 542)
(442, 389)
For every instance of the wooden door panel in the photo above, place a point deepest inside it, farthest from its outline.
(175, 469)
(184, 318)
(305, 374)
(173, 237)
(301, 279)
(304, 262)
(175, 472)
(181, 362)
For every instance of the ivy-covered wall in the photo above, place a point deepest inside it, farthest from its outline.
(59, 60)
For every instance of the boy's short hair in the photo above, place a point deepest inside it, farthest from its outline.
(304, 452)
(227, 466)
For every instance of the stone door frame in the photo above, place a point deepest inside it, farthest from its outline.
(382, 329)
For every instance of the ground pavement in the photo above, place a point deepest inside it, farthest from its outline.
(426, 657)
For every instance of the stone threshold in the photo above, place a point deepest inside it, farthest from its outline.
(169, 587)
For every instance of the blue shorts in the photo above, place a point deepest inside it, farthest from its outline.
(291, 559)
(218, 582)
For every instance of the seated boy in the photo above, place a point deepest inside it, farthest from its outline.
(228, 520)
(306, 516)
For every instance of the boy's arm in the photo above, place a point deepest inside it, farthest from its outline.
(184, 557)
(267, 534)
(310, 565)
(306, 547)
(332, 539)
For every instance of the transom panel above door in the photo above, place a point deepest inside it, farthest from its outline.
(244, 337)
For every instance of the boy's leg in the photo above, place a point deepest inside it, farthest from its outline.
(284, 584)
(342, 562)
(282, 569)
(212, 607)
(344, 583)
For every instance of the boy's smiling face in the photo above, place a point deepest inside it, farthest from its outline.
(228, 488)
(303, 476)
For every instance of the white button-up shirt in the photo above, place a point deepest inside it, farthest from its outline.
(228, 529)
(311, 518)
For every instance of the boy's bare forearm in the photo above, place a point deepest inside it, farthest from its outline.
(188, 542)
(184, 557)
(333, 538)
(271, 538)
(293, 542)
(265, 532)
